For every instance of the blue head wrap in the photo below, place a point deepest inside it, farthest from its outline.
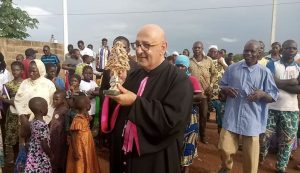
(183, 60)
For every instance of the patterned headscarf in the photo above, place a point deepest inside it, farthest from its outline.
(183, 60)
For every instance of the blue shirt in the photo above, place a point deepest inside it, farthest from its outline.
(60, 83)
(242, 116)
(52, 58)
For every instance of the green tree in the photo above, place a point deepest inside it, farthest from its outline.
(237, 57)
(14, 21)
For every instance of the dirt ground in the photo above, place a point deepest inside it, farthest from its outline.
(208, 160)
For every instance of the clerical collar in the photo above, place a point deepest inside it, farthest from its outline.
(158, 69)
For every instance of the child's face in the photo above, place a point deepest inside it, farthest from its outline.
(74, 82)
(58, 99)
(16, 71)
(87, 74)
(51, 72)
(19, 58)
(88, 60)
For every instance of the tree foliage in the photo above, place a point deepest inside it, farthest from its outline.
(237, 57)
(14, 21)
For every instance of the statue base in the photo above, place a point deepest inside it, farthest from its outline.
(111, 92)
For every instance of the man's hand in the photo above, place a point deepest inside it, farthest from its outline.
(230, 91)
(126, 98)
(256, 95)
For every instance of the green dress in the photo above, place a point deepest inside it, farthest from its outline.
(11, 125)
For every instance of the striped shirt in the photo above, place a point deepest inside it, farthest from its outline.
(52, 58)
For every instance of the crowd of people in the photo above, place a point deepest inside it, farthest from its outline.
(55, 115)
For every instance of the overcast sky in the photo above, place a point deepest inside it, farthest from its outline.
(226, 23)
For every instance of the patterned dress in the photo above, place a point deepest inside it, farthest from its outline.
(215, 100)
(192, 130)
(11, 126)
(37, 159)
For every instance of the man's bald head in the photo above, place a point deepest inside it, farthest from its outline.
(151, 46)
(153, 31)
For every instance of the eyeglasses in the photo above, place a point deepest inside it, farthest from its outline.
(144, 46)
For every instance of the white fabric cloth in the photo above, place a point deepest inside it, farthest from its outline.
(297, 56)
(103, 54)
(89, 86)
(286, 101)
(4, 78)
(40, 87)
(87, 51)
(213, 46)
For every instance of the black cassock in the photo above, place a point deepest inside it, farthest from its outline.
(160, 115)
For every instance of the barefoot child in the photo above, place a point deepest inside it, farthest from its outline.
(12, 126)
(38, 157)
(58, 133)
(192, 129)
(82, 154)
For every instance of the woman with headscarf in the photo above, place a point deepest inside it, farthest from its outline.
(37, 85)
(191, 133)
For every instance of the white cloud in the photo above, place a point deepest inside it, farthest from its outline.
(229, 40)
(119, 26)
(36, 11)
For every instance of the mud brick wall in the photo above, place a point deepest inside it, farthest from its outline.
(12, 47)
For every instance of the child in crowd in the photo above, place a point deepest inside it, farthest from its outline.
(73, 91)
(82, 154)
(192, 129)
(11, 126)
(51, 70)
(39, 154)
(90, 87)
(19, 57)
(58, 133)
(86, 61)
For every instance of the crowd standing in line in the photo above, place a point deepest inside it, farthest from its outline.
(55, 124)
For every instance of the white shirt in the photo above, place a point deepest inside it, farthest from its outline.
(286, 101)
(4, 78)
(89, 86)
(87, 51)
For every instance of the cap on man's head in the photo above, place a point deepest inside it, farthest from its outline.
(213, 46)
(30, 52)
(175, 53)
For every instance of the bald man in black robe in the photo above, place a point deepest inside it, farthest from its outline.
(160, 114)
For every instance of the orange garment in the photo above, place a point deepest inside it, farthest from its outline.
(88, 162)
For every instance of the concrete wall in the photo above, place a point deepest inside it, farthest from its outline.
(12, 47)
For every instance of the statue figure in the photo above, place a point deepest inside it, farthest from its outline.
(118, 64)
